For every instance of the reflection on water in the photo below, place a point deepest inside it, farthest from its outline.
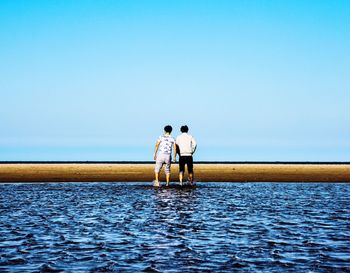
(112, 227)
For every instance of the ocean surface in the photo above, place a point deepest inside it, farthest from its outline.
(132, 227)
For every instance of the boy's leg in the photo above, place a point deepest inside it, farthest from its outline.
(190, 169)
(190, 178)
(167, 169)
(181, 169)
(158, 167)
(156, 176)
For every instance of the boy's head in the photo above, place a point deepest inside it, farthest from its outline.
(184, 129)
(168, 129)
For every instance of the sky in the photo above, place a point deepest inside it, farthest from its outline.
(254, 80)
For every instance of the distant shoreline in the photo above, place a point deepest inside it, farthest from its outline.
(196, 162)
(143, 171)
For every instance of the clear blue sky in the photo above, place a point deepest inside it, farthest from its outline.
(98, 80)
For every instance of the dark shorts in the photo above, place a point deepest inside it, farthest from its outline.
(186, 160)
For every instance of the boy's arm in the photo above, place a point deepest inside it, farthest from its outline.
(155, 150)
(194, 145)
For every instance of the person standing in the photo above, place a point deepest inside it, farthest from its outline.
(162, 154)
(187, 146)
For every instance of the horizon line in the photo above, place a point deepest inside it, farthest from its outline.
(153, 162)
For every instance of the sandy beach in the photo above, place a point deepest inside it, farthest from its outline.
(204, 172)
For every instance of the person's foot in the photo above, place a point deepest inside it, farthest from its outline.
(167, 184)
(156, 183)
(181, 183)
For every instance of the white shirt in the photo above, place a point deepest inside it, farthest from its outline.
(166, 143)
(187, 144)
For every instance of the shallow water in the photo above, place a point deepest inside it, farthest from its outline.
(131, 227)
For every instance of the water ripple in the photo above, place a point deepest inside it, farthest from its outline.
(131, 227)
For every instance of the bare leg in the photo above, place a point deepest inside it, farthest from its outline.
(167, 179)
(156, 176)
(190, 178)
(181, 176)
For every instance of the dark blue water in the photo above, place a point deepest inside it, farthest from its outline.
(222, 227)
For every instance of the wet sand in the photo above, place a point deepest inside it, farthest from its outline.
(204, 172)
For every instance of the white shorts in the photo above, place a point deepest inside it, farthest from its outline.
(163, 159)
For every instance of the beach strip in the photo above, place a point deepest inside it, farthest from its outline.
(204, 172)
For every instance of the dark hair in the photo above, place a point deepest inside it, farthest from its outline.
(168, 129)
(184, 129)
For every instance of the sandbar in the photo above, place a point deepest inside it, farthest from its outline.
(204, 172)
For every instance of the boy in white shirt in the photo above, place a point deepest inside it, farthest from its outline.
(187, 146)
(162, 154)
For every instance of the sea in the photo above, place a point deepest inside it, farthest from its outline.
(211, 227)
